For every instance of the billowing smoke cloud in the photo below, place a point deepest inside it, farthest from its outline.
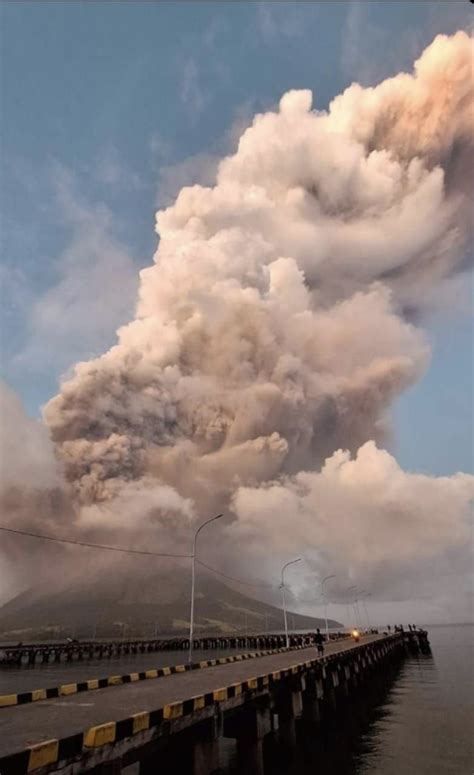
(34, 497)
(32, 493)
(273, 329)
(26, 452)
(363, 519)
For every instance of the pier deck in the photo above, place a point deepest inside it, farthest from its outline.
(26, 725)
(178, 723)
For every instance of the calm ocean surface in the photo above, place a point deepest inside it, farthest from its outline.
(426, 724)
(423, 726)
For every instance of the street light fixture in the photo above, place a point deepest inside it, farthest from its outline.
(326, 578)
(282, 587)
(193, 578)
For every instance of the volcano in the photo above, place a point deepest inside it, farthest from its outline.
(128, 605)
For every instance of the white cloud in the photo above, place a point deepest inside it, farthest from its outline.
(160, 148)
(216, 27)
(371, 51)
(365, 520)
(283, 21)
(194, 96)
(198, 169)
(94, 293)
(110, 170)
(26, 452)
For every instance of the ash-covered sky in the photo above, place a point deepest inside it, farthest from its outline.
(313, 276)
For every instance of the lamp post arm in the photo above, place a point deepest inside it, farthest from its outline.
(291, 562)
(207, 522)
(326, 578)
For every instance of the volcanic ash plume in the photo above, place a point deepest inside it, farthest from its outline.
(365, 519)
(32, 494)
(274, 326)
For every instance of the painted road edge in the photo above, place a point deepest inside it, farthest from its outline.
(36, 695)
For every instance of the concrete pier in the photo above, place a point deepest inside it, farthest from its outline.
(180, 723)
(43, 653)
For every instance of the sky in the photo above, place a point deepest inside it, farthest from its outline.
(108, 109)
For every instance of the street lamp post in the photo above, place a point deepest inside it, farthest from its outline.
(326, 578)
(282, 587)
(355, 605)
(358, 618)
(348, 611)
(365, 595)
(357, 610)
(193, 579)
(349, 589)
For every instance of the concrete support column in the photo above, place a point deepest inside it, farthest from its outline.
(250, 756)
(205, 747)
(311, 709)
(349, 676)
(343, 680)
(250, 726)
(356, 672)
(205, 757)
(287, 731)
(289, 706)
(329, 685)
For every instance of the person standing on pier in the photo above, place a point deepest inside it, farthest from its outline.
(319, 641)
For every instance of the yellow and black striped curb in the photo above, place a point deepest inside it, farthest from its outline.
(50, 752)
(7, 700)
